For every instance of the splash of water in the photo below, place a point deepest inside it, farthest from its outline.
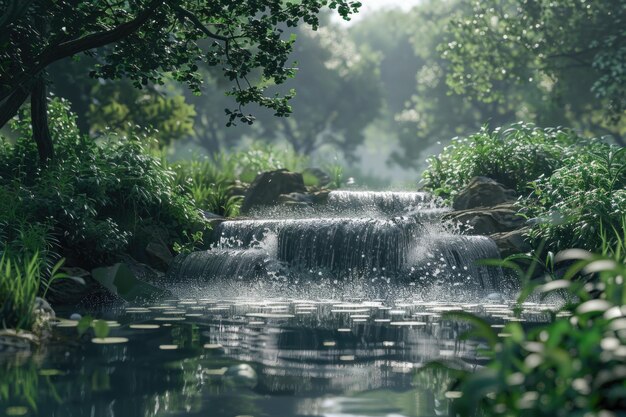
(358, 254)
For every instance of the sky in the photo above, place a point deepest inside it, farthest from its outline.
(372, 5)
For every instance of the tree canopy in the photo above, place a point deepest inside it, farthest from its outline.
(561, 46)
(141, 40)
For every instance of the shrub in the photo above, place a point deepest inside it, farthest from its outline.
(209, 181)
(514, 157)
(94, 198)
(583, 203)
(572, 366)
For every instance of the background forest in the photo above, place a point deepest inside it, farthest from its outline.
(384, 91)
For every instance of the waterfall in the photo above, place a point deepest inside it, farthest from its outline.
(367, 236)
(390, 202)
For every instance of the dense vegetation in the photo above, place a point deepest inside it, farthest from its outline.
(573, 192)
(571, 366)
(572, 188)
(94, 182)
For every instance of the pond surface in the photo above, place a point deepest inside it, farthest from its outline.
(207, 357)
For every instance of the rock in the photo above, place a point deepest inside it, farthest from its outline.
(243, 375)
(494, 297)
(295, 198)
(74, 291)
(121, 281)
(211, 218)
(320, 197)
(75, 316)
(42, 310)
(483, 192)
(268, 186)
(142, 271)
(513, 242)
(319, 174)
(159, 255)
(487, 221)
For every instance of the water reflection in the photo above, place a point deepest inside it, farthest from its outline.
(233, 358)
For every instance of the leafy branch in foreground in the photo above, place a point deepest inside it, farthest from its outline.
(576, 365)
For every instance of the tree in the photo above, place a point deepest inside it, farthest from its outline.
(338, 93)
(568, 48)
(115, 105)
(141, 40)
(420, 110)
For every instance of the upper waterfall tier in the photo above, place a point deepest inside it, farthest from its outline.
(390, 202)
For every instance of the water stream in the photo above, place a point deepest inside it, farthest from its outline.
(316, 312)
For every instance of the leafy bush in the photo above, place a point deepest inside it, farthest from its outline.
(514, 157)
(93, 199)
(209, 181)
(573, 366)
(21, 280)
(583, 203)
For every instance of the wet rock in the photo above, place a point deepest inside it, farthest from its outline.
(211, 218)
(483, 192)
(494, 297)
(295, 198)
(487, 221)
(268, 186)
(142, 271)
(121, 281)
(81, 288)
(42, 310)
(242, 375)
(159, 255)
(320, 197)
(513, 242)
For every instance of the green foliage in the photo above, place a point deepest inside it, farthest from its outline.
(94, 199)
(514, 157)
(336, 176)
(557, 46)
(144, 40)
(121, 108)
(19, 286)
(572, 366)
(582, 204)
(338, 92)
(209, 181)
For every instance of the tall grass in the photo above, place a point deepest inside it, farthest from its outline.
(19, 286)
(22, 279)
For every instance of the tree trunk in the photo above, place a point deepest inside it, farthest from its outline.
(12, 104)
(39, 116)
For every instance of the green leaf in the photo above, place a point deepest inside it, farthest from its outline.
(84, 324)
(101, 329)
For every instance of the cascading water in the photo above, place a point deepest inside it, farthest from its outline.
(359, 236)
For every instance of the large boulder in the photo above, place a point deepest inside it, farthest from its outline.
(513, 242)
(483, 192)
(489, 220)
(159, 255)
(268, 186)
